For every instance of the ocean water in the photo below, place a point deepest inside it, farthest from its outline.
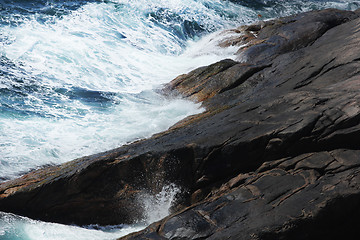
(81, 76)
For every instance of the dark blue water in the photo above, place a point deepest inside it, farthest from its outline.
(80, 77)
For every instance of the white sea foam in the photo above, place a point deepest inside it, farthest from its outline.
(15, 227)
(107, 48)
(86, 48)
(52, 141)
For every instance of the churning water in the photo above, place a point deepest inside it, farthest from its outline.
(80, 76)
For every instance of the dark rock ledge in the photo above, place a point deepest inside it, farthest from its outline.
(275, 156)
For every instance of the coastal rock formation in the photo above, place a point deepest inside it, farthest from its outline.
(274, 156)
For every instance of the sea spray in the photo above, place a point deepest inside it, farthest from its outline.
(155, 206)
(158, 206)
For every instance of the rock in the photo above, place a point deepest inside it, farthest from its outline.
(298, 119)
(275, 204)
(290, 33)
(274, 156)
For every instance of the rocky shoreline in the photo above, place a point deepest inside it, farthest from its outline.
(274, 156)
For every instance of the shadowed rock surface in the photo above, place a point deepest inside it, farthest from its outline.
(274, 156)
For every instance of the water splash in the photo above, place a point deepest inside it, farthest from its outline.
(157, 206)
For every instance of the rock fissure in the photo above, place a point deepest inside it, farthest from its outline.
(338, 66)
(314, 74)
(248, 74)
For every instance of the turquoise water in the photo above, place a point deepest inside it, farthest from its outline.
(80, 77)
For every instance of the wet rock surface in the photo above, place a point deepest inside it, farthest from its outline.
(274, 156)
(305, 197)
